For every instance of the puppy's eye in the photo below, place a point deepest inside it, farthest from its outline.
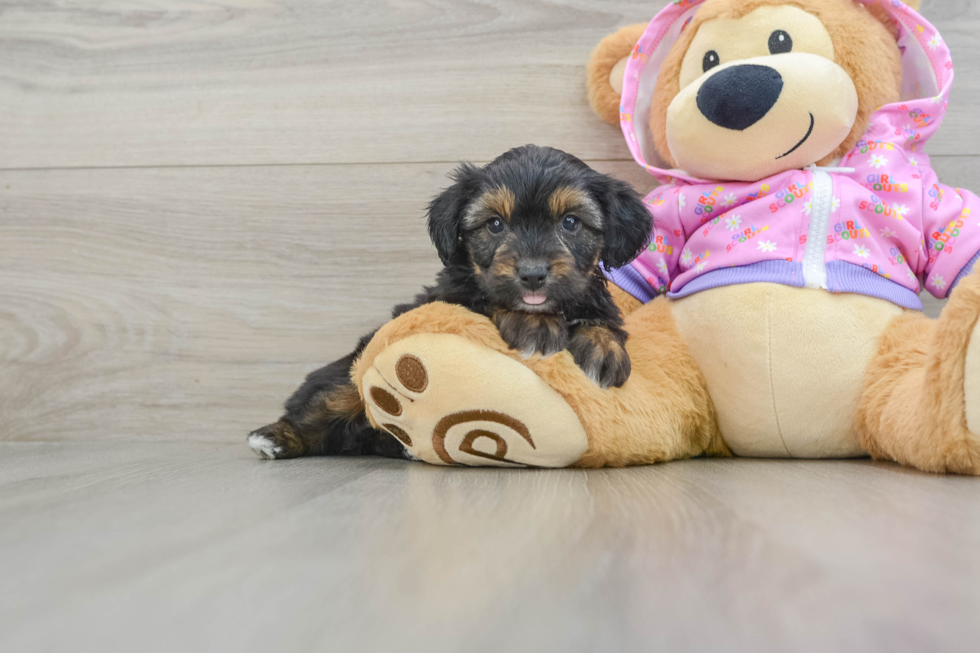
(570, 223)
(780, 42)
(711, 59)
(495, 225)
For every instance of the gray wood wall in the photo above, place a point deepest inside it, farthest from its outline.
(200, 202)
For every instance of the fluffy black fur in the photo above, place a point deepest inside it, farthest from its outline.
(521, 239)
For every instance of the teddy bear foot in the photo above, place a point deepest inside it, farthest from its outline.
(452, 402)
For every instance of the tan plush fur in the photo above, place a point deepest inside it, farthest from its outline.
(626, 302)
(912, 409)
(662, 413)
(784, 366)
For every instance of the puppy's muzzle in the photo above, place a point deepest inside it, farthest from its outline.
(533, 275)
(738, 97)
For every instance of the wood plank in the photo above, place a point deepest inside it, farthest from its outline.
(163, 547)
(142, 303)
(239, 82)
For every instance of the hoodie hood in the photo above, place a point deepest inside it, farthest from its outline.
(883, 226)
(927, 78)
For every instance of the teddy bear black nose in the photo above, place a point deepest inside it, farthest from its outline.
(738, 97)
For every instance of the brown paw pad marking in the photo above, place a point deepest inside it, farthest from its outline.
(411, 372)
(467, 445)
(399, 433)
(386, 401)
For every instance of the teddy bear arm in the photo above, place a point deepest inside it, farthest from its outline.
(461, 396)
(946, 213)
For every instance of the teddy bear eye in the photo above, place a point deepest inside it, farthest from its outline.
(711, 60)
(780, 42)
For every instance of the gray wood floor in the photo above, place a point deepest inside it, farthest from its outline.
(200, 202)
(172, 546)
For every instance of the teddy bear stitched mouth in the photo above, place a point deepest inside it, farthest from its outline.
(797, 146)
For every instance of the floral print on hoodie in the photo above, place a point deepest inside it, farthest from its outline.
(892, 226)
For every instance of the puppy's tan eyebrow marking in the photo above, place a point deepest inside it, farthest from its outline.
(566, 199)
(501, 201)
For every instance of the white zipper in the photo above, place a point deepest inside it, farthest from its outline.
(821, 205)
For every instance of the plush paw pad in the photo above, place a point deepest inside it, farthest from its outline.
(450, 401)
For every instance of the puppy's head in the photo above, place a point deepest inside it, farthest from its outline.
(533, 225)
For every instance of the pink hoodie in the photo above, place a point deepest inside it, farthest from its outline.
(881, 230)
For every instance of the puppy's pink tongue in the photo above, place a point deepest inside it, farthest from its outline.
(534, 299)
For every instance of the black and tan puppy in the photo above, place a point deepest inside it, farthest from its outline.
(521, 240)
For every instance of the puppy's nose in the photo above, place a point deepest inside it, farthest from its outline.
(738, 97)
(533, 275)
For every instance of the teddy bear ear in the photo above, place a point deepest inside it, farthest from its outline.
(886, 19)
(605, 71)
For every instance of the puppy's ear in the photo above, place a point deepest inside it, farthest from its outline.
(446, 211)
(627, 222)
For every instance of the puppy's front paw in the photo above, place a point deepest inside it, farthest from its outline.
(275, 441)
(601, 356)
(531, 333)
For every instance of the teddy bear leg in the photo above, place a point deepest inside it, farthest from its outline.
(923, 385)
(441, 381)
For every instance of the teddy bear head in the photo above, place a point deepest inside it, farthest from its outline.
(750, 88)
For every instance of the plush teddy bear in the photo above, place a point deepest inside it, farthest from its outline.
(775, 310)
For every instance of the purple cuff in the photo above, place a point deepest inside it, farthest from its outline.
(847, 277)
(631, 281)
(967, 269)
